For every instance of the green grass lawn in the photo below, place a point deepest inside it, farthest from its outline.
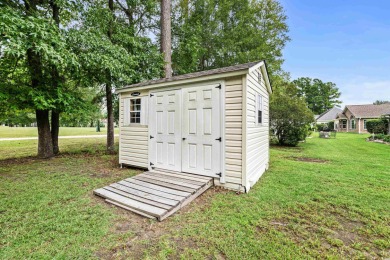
(323, 199)
(11, 132)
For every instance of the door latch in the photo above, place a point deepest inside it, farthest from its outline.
(219, 139)
(151, 137)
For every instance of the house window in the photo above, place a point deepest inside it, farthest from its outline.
(343, 124)
(353, 124)
(135, 111)
(365, 124)
(259, 114)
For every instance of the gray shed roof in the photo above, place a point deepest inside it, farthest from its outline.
(329, 115)
(369, 111)
(195, 74)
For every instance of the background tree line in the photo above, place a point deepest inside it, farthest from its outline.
(64, 59)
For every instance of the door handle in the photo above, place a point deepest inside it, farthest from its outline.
(184, 138)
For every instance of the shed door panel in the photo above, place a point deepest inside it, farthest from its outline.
(165, 130)
(201, 128)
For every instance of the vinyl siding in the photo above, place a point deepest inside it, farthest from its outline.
(233, 134)
(257, 135)
(133, 139)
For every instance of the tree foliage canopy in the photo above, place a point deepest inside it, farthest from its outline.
(320, 96)
(211, 34)
(380, 102)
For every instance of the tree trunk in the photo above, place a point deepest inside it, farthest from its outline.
(55, 115)
(45, 145)
(166, 36)
(110, 120)
(110, 111)
(55, 129)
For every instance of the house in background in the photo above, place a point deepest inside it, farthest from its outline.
(328, 116)
(354, 117)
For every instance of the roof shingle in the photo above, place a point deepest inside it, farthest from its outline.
(369, 111)
(329, 115)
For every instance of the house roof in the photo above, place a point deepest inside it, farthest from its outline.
(341, 115)
(368, 111)
(329, 115)
(236, 68)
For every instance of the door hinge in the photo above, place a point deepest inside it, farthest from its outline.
(219, 139)
(219, 86)
(219, 174)
(151, 137)
(151, 95)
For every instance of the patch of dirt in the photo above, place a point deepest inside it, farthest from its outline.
(308, 159)
(287, 148)
(148, 233)
(21, 160)
(331, 226)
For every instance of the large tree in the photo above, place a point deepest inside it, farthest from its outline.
(34, 62)
(113, 50)
(216, 33)
(320, 96)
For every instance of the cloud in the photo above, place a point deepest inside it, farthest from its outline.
(364, 92)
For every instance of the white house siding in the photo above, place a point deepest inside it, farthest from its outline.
(257, 139)
(133, 140)
(233, 134)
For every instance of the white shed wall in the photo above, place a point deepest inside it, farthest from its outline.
(133, 139)
(233, 134)
(257, 136)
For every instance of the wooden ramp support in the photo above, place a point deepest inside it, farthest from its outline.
(156, 194)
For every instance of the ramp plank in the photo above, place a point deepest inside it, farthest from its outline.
(146, 201)
(148, 209)
(159, 188)
(144, 195)
(171, 180)
(164, 183)
(170, 177)
(190, 177)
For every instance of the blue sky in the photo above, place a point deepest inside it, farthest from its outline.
(343, 41)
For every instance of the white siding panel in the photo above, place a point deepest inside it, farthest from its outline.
(233, 134)
(257, 139)
(133, 140)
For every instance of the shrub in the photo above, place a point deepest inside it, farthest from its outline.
(290, 118)
(382, 137)
(331, 125)
(377, 126)
(325, 127)
(321, 127)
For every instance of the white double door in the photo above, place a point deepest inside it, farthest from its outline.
(185, 130)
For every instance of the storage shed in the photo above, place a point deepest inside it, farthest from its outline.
(212, 123)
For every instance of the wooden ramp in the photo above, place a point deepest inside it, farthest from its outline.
(156, 194)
